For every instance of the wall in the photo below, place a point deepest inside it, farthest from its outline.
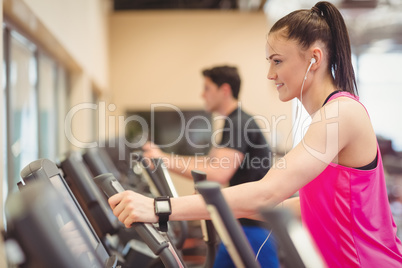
(157, 57)
(81, 27)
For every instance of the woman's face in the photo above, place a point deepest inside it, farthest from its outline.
(288, 65)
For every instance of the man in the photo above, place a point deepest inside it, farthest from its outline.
(242, 155)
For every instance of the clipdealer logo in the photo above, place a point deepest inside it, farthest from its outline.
(106, 127)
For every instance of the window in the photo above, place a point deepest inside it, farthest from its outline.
(63, 102)
(23, 116)
(4, 131)
(380, 91)
(93, 117)
(47, 107)
(36, 99)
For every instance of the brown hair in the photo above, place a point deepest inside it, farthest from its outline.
(225, 74)
(323, 23)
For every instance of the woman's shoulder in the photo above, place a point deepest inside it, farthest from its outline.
(345, 107)
(340, 108)
(347, 114)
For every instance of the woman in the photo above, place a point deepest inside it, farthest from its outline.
(337, 166)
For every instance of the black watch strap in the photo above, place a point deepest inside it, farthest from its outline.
(163, 220)
(162, 210)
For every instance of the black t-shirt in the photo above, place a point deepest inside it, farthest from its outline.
(242, 133)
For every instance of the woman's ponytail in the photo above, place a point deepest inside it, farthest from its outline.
(341, 55)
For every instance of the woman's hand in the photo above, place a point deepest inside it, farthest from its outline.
(130, 207)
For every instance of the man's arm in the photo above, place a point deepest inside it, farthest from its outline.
(292, 204)
(219, 165)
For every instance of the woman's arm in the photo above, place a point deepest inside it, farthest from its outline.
(321, 144)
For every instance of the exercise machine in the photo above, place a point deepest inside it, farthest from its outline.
(227, 226)
(158, 243)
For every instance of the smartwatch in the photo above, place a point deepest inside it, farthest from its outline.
(163, 209)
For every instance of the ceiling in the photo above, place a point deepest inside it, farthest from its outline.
(174, 4)
(370, 22)
(224, 4)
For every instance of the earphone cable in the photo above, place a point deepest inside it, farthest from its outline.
(263, 243)
(298, 114)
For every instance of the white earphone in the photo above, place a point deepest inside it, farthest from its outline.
(297, 119)
(312, 61)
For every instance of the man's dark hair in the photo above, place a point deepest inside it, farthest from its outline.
(225, 74)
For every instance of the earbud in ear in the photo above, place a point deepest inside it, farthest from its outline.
(312, 61)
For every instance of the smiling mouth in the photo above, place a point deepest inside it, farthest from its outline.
(279, 85)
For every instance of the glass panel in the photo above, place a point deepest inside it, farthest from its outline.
(63, 101)
(380, 89)
(48, 128)
(94, 117)
(23, 115)
(4, 129)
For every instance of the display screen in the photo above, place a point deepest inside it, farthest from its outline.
(183, 132)
(69, 230)
(163, 207)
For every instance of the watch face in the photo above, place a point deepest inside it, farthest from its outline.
(163, 206)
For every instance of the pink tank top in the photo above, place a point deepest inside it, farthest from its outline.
(347, 213)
